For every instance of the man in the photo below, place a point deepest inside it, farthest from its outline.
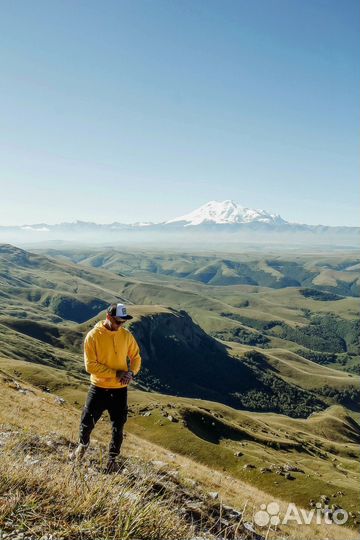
(107, 348)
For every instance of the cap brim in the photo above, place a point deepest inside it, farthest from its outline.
(123, 318)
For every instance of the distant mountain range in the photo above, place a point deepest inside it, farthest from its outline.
(213, 217)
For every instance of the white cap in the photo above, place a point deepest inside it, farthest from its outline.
(119, 310)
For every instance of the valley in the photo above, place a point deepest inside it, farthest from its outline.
(250, 362)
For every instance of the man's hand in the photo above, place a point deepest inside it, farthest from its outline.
(125, 377)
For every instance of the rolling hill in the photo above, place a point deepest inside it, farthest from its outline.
(55, 294)
(251, 381)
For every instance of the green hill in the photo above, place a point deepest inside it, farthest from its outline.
(179, 358)
(55, 294)
(238, 380)
(335, 274)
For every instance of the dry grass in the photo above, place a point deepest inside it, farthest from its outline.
(51, 495)
(43, 493)
(242, 495)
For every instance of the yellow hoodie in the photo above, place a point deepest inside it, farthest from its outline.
(106, 352)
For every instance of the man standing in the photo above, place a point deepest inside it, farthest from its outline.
(107, 348)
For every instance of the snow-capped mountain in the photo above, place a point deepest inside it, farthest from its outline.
(213, 222)
(226, 213)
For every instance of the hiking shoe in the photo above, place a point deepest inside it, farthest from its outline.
(113, 467)
(78, 454)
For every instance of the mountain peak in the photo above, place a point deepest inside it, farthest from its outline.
(226, 212)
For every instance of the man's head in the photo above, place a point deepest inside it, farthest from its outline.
(116, 316)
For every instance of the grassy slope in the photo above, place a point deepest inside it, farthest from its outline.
(40, 280)
(321, 446)
(298, 370)
(172, 346)
(276, 271)
(39, 283)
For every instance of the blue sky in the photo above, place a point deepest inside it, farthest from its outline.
(144, 110)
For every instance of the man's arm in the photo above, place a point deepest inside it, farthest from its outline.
(92, 365)
(134, 355)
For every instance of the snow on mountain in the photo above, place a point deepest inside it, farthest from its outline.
(36, 228)
(143, 224)
(226, 212)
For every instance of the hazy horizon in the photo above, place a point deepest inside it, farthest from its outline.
(52, 223)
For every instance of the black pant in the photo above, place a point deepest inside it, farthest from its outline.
(113, 400)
